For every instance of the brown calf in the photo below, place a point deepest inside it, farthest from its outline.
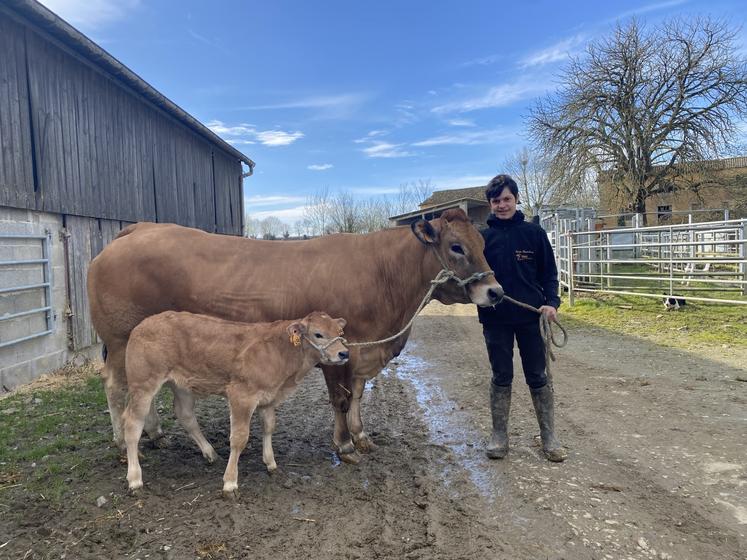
(253, 365)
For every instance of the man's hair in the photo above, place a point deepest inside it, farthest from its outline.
(498, 183)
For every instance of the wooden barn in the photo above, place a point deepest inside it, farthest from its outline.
(86, 148)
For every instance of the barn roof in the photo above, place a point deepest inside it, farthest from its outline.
(70, 37)
(450, 195)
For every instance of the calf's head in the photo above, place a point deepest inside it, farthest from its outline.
(460, 247)
(322, 334)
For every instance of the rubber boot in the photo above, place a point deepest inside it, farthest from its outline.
(500, 404)
(544, 408)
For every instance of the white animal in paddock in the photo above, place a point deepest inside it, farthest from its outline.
(255, 365)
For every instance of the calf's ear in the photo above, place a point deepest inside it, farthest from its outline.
(296, 329)
(425, 232)
(342, 322)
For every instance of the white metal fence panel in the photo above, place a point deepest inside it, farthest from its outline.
(696, 261)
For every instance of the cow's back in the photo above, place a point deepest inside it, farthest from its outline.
(153, 268)
(137, 275)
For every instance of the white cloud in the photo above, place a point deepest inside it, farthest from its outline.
(287, 215)
(385, 150)
(498, 96)
(320, 167)
(247, 134)
(278, 137)
(554, 53)
(372, 134)
(259, 200)
(92, 13)
(650, 8)
(461, 122)
(468, 138)
(319, 102)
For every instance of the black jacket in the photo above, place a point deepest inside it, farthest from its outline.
(521, 256)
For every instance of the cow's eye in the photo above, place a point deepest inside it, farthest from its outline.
(318, 335)
(457, 249)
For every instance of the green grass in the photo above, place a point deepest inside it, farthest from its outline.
(690, 326)
(53, 437)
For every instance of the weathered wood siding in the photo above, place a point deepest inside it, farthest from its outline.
(16, 169)
(76, 141)
(85, 238)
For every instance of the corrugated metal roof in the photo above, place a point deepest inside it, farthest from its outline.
(58, 28)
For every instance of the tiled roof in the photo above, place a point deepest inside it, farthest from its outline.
(448, 195)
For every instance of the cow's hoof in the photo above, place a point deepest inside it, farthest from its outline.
(272, 469)
(346, 448)
(136, 490)
(210, 455)
(231, 495)
(350, 458)
(365, 444)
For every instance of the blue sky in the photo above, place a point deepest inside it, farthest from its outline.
(360, 96)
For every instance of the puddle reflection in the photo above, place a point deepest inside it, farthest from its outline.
(444, 427)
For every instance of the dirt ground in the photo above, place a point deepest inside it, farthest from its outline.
(657, 440)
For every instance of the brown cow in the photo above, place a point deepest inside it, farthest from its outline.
(376, 281)
(254, 365)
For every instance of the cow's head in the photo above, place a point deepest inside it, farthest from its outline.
(460, 247)
(323, 334)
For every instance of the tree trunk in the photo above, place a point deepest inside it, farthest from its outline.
(640, 204)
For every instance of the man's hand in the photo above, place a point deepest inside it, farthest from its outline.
(550, 312)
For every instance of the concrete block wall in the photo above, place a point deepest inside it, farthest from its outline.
(24, 361)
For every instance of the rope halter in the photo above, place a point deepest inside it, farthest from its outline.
(447, 274)
(322, 348)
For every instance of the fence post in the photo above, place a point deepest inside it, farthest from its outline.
(743, 256)
(571, 295)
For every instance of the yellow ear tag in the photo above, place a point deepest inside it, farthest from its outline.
(295, 339)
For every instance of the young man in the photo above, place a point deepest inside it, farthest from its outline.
(521, 257)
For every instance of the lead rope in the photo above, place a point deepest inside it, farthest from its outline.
(443, 276)
(548, 336)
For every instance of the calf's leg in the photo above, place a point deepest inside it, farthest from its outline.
(184, 408)
(268, 423)
(242, 409)
(134, 420)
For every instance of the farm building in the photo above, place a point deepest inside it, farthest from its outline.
(86, 148)
(471, 200)
(700, 191)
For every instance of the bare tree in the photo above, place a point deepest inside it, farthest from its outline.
(344, 213)
(374, 214)
(271, 227)
(251, 226)
(640, 103)
(535, 178)
(300, 228)
(316, 213)
(411, 195)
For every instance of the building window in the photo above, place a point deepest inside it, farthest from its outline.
(664, 213)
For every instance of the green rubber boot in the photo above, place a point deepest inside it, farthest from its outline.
(500, 404)
(544, 407)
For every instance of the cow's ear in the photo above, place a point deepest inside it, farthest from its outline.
(342, 322)
(425, 232)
